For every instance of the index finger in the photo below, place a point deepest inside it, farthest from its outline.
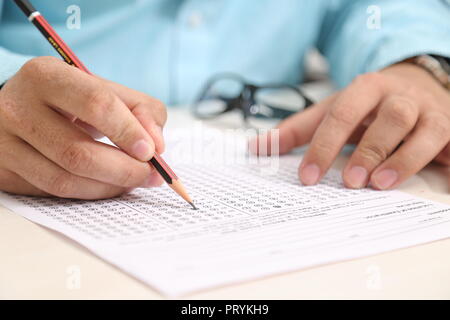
(149, 111)
(347, 112)
(55, 137)
(93, 102)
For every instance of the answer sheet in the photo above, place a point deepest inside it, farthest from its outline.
(249, 225)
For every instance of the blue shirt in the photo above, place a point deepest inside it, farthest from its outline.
(169, 48)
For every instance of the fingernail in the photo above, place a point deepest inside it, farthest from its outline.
(142, 150)
(385, 179)
(356, 177)
(310, 174)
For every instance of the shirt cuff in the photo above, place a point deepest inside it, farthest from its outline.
(393, 51)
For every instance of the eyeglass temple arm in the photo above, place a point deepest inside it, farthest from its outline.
(308, 101)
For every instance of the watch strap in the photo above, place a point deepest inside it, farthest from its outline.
(437, 66)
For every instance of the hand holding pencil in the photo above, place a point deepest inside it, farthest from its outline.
(52, 155)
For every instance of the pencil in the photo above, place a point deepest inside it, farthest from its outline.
(36, 18)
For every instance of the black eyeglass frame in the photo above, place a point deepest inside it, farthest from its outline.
(246, 98)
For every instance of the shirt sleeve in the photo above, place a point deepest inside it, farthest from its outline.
(10, 62)
(365, 35)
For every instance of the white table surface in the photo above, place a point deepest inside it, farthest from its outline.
(35, 263)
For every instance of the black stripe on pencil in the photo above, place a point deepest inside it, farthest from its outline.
(67, 54)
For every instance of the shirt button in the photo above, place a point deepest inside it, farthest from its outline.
(195, 19)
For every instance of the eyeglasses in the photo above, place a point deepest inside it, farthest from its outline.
(227, 92)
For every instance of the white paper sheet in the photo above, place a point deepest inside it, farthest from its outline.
(249, 225)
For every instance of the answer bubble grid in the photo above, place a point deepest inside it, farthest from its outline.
(221, 193)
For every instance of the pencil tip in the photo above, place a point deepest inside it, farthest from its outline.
(193, 205)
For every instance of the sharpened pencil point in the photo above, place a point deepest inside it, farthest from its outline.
(193, 205)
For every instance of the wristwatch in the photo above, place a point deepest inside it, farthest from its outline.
(437, 66)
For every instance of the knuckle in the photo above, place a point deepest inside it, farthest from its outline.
(402, 112)
(61, 185)
(38, 67)
(160, 109)
(32, 66)
(342, 114)
(77, 158)
(99, 102)
(438, 125)
(321, 147)
(373, 152)
(122, 133)
(414, 92)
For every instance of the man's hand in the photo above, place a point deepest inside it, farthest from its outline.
(43, 152)
(399, 118)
